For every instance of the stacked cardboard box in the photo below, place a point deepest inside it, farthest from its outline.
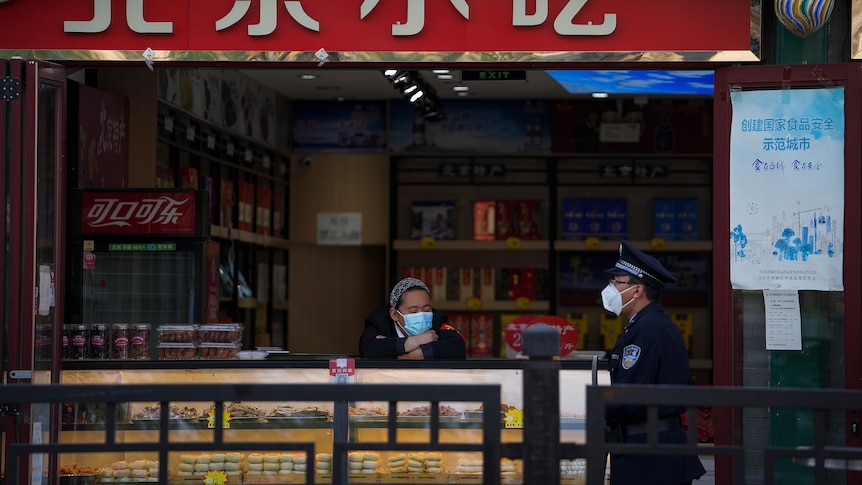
(675, 219)
(485, 283)
(604, 218)
(502, 219)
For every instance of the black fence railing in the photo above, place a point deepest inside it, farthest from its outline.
(823, 454)
(340, 395)
(826, 408)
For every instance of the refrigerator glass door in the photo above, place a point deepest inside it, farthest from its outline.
(154, 287)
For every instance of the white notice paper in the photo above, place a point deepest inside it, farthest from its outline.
(783, 323)
(37, 460)
(339, 228)
(45, 299)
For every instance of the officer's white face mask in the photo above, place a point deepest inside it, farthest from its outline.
(612, 299)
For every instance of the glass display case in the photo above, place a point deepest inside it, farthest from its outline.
(315, 422)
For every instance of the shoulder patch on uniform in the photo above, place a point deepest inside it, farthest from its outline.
(630, 356)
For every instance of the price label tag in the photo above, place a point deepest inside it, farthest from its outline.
(513, 243)
(474, 303)
(657, 244)
(342, 371)
(592, 243)
(225, 419)
(427, 243)
(266, 162)
(215, 477)
(169, 124)
(190, 133)
(229, 148)
(523, 303)
(249, 156)
(514, 418)
(211, 141)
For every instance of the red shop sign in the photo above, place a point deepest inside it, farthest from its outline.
(169, 213)
(377, 25)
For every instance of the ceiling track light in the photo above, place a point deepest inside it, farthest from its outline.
(417, 92)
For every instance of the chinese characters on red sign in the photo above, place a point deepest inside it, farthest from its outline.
(377, 25)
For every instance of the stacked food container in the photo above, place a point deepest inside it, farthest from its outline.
(210, 341)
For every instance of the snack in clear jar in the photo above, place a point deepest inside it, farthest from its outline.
(79, 342)
(120, 349)
(140, 342)
(100, 342)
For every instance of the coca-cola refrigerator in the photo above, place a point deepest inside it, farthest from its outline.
(137, 259)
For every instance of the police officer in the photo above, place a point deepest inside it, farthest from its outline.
(649, 351)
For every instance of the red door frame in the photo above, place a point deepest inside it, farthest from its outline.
(727, 339)
(23, 142)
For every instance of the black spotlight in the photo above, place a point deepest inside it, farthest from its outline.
(417, 92)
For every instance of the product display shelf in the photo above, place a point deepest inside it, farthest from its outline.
(470, 245)
(643, 245)
(248, 181)
(302, 423)
(478, 273)
(496, 306)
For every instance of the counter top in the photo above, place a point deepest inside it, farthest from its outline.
(306, 361)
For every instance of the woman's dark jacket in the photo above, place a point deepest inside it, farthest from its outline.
(449, 344)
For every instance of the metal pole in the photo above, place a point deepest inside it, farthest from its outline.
(541, 405)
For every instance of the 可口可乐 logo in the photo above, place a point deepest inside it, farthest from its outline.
(162, 210)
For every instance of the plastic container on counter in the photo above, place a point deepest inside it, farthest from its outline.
(100, 342)
(121, 340)
(178, 333)
(220, 332)
(79, 342)
(178, 351)
(140, 341)
(218, 350)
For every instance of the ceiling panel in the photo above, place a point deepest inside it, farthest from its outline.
(331, 83)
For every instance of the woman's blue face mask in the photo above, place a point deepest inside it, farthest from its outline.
(417, 323)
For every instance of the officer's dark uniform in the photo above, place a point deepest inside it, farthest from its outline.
(650, 351)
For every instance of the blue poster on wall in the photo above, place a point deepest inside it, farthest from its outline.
(787, 189)
(339, 126)
(505, 126)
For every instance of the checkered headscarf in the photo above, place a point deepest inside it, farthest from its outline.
(404, 286)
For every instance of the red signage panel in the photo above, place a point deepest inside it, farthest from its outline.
(103, 138)
(138, 213)
(377, 25)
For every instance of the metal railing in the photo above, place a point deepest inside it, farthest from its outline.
(339, 395)
(822, 403)
(826, 407)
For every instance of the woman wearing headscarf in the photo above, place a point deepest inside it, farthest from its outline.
(409, 328)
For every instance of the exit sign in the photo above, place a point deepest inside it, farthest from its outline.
(494, 75)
